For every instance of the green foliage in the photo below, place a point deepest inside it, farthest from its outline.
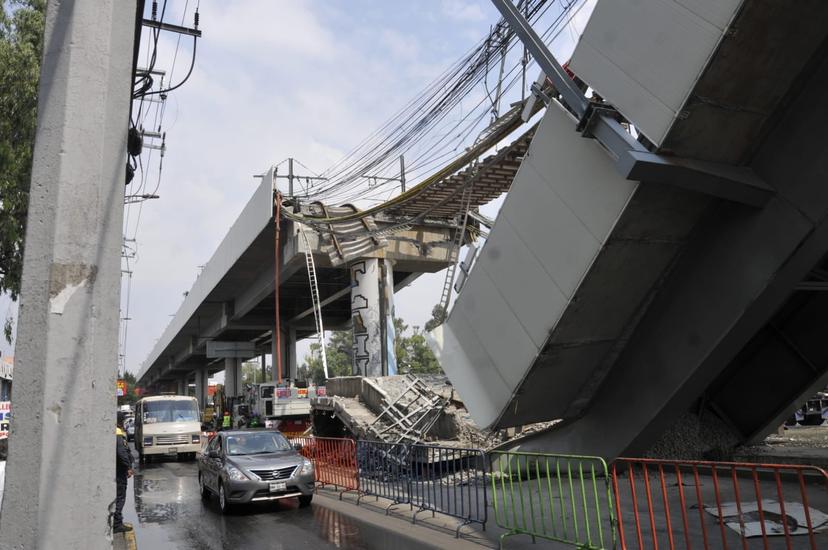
(413, 354)
(438, 316)
(251, 372)
(21, 44)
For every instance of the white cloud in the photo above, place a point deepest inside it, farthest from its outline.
(463, 11)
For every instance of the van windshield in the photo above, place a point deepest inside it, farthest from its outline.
(174, 410)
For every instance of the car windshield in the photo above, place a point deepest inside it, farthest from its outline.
(173, 410)
(256, 443)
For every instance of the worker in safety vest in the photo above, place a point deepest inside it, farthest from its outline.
(225, 421)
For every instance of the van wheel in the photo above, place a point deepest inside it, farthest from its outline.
(305, 500)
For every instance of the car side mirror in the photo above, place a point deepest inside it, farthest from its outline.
(297, 446)
(213, 453)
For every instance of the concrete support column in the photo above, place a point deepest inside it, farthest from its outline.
(201, 387)
(232, 376)
(290, 354)
(263, 359)
(183, 386)
(372, 301)
(389, 365)
(67, 339)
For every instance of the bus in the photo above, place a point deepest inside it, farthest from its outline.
(168, 425)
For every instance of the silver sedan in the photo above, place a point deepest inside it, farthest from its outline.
(242, 466)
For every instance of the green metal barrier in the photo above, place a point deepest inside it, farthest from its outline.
(557, 497)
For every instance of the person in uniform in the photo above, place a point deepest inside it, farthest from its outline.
(123, 471)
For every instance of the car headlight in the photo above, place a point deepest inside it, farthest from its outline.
(148, 441)
(235, 474)
(196, 438)
(307, 467)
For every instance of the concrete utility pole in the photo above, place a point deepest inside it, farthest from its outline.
(60, 477)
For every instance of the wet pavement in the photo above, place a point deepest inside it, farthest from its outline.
(164, 505)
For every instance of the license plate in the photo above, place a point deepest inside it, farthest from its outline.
(277, 486)
(171, 450)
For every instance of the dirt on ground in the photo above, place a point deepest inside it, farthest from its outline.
(800, 436)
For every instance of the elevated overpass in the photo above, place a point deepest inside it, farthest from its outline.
(663, 289)
(232, 303)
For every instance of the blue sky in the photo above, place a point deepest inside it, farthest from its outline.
(274, 79)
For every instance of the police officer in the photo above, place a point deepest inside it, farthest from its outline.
(123, 471)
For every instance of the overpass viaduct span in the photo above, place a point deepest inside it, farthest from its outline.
(233, 299)
(664, 292)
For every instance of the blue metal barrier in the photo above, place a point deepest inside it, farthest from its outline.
(451, 481)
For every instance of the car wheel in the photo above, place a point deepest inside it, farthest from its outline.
(205, 492)
(223, 504)
(305, 500)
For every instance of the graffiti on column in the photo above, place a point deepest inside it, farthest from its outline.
(367, 345)
(359, 305)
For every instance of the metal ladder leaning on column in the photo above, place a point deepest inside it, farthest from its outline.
(317, 307)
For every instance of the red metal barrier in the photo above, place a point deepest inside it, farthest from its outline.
(334, 461)
(719, 505)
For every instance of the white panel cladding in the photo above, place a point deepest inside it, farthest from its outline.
(560, 211)
(645, 56)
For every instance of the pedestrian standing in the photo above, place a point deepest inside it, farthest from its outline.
(123, 471)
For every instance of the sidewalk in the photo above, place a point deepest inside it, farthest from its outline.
(437, 531)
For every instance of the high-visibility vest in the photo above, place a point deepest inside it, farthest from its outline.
(226, 421)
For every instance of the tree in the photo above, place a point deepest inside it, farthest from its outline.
(21, 45)
(251, 372)
(438, 316)
(417, 357)
(339, 354)
(412, 351)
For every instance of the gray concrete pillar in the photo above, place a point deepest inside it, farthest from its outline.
(263, 359)
(201, 377)
(367, 313)
(389, 365)
(67, 339)
(232, 376)
(290, 354)
(183, 386)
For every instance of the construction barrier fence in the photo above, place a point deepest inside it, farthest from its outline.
(643, 504)
(719, 505)
(563, 498)
(451, 481)
(384, 471)
(334, 461)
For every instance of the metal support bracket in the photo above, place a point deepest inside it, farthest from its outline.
(632, 159)
(171, 28)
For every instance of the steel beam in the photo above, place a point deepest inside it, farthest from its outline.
(631, 157)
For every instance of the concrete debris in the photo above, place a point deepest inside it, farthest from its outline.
(362, 406)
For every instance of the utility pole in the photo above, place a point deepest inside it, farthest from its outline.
(60, 475)
(291, 176)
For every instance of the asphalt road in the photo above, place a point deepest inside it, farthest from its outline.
(164, 506)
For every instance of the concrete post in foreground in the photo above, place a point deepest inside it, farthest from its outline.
(182, 386)
(60, 474)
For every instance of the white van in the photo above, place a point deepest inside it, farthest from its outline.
(167, 425)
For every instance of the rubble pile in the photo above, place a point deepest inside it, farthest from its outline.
(404, 408)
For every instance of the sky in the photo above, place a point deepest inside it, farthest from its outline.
(273, 80)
